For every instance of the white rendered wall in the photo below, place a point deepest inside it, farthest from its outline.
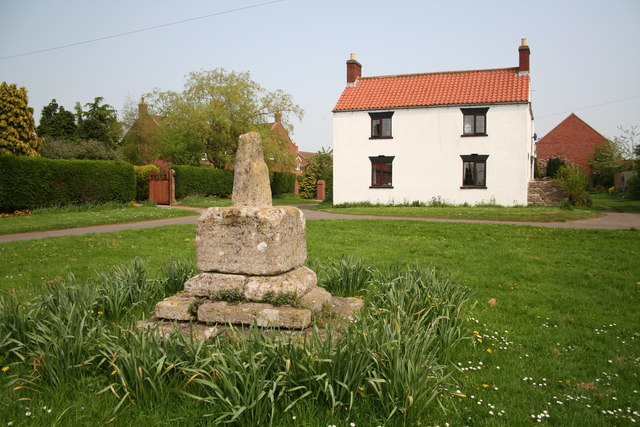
(427, 145)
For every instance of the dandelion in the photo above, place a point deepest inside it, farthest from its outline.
(489, 350)
(480, 340)
(5, 368)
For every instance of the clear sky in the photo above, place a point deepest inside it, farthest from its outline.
(584, 54)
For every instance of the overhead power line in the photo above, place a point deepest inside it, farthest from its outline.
(589, 106)
(155, 27)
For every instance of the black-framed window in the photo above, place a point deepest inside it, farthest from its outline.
(381, 171)
(381, 125)
(474, 171)
(474, 121)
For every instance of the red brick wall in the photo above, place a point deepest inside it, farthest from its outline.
(572, 140)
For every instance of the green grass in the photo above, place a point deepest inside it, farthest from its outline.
(495, 213)
(563, 333)
(59, 218)
(615, 202)
(209, 202)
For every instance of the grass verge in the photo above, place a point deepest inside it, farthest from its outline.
(615, 202)
(490, 212)
(59, 218)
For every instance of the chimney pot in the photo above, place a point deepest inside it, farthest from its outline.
(524, 42)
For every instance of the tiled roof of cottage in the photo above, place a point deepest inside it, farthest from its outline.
(502, 85)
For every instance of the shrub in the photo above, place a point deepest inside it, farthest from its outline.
(28, 183)
(553, 165)
(81, 150)
(193, 180)
(308, 187)
(574, 181)
(282, 182)
(142, 180)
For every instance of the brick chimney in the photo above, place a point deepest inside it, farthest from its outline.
(142, 108)
(354, 70)
(524, 52)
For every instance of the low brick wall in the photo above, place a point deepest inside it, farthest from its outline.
(545, 192)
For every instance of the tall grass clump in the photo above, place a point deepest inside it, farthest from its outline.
(394, 355)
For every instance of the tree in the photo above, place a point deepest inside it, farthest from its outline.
(627, 143)
(212, 111)
(605, 162)
(56, 123)
(17, 127)
(98, 122)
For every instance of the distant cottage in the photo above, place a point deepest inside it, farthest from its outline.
(458, 137)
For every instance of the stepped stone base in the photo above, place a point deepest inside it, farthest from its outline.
(186, 307)
(253, 288)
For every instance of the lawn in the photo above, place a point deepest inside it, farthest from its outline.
(491, 212)
(615, 202)
(209, 202)
(59, 218)
(553, 332)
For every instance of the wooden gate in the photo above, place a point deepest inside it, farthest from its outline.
(162, 187)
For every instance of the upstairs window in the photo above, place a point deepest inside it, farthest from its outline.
(381, 125)
(474, 171)
(381, 171)
(474, 122)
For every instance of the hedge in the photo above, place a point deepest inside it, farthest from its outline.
(282, 182)
(193, 180)
(34, 182)
(142, 180)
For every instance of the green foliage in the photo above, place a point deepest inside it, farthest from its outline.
(320, 168)
(213, 110)
(574, 181)
(282, 182)
(99, 122)
(283, 298)
(191, 180)
(57, 123)
(553, 165)
(17, 127)
(27, 183)
(142, 180)
(308, 187)
(81, 150)
(605, 161)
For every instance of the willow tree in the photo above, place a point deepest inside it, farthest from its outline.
(17, 127)
(214, 108)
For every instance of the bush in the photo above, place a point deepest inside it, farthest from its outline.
(282, 182)
(574, 181)
(553, 166)
(34, 182)
(81, 150)
(142, 180)
(308, 187)
(193, 180)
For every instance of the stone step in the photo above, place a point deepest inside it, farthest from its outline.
(298, 281)
(265, 315)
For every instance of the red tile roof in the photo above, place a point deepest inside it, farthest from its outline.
(502, 85)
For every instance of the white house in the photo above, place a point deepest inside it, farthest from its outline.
(459, 137)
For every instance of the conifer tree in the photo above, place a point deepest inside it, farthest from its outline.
(17, 127)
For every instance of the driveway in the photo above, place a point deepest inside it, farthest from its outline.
(608, 221)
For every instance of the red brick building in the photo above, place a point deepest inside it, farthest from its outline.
(572, 141)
